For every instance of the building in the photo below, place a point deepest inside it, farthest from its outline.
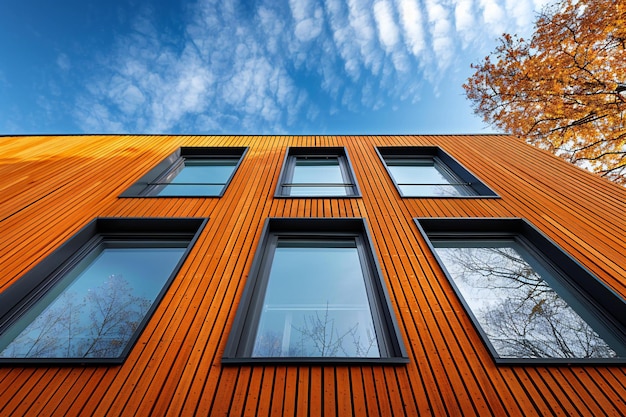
(246, 285)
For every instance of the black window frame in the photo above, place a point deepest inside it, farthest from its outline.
(604, 303)
(345, 165)
(453, 169)
(241, 338)
(18, 298)
(148, 183)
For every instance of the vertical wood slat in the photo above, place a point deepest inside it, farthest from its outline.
(51, 186)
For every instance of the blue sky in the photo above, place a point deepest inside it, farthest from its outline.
(259, 66)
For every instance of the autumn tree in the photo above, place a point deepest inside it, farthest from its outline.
(564, 90)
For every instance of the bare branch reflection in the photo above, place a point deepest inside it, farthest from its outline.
(523, 316)
(318, 335)
(98, 325)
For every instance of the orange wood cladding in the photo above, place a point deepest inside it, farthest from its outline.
(51, 186)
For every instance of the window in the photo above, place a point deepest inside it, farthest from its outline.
(315, 294)
(428, 171)
(190, 172)
(317, 172)
(90, 299)
(529, 300)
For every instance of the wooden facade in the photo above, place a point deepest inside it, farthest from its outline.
(51, 186)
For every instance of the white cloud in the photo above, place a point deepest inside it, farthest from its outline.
(63, 62)
(412, 24)
(272, 27)
(465, 23)
(258, 88)
(441, 33)
(522, 12)
(300, 9)
(389, 36)
(343, 35)
(493, 16)
(308, 17)
(125, 94)
(362, 24)
(387, 27)
(308, 29)
(539, 4)
(240, 67)
(96, 117)
(222, 69)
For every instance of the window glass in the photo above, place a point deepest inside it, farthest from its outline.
(428, 171)
(525, 309)
(190, 172)
(317, 176)
(314, 294)
(201, 177)
(316, 304)
(423, 177)
(97, 307)
(317, 172)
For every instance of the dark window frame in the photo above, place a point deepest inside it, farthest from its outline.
(241, 339)
(289, 163)
(604, 303)
(145, 186)
(35, 283)
(439, 156)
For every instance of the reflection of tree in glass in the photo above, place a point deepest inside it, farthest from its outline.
(524, 316)
(115, 315)
(502, 268)
(318, 337)
(41, 337)
(269, 345)
(326, 339)
(97, 326)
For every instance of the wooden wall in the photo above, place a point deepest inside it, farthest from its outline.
(52, 186)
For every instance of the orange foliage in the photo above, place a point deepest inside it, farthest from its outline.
(559, 90)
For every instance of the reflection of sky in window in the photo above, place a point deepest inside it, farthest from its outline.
(317, 171)
(121, 283)
(316, 287)
(422, 172)
(200, 177)
(409, 174)
(521, 313)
